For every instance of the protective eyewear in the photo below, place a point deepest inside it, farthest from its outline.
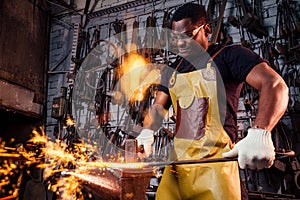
(189, 34)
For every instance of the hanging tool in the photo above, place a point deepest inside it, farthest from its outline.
(117, 25)
(216, 24)
(151, 40)
(135, 39)
(124, 36)
(289, 25)
(251, 22)
(96, 37)
(148, 40)
(166, 25)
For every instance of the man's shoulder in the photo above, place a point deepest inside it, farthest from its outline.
(235, 46)
(231, 50)
(217, 47)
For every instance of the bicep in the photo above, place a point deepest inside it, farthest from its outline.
(262, 74)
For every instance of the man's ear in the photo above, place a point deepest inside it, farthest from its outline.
(207, 30)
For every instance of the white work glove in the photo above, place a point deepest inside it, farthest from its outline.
(146, 139)
(255, 151)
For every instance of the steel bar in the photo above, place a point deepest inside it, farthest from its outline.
(186, 162)
(279, 155)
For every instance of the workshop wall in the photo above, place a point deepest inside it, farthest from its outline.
(62, 30)
(265, 36)
(59, 60)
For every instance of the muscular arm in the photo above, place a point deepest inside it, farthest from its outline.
(273, 98)
(153, 120)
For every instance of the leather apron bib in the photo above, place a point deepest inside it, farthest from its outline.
(199, 134)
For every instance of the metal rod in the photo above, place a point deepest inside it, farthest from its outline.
(279, 155)
(185, 162)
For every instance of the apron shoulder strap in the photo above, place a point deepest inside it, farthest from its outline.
(209, 72)
(216, 53)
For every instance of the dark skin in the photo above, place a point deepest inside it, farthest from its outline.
(273, 99)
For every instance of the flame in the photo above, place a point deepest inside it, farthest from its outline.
(70, 121)
(131, 62)
(64, 169)
(137, 75)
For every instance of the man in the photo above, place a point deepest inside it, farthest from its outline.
(206, 109)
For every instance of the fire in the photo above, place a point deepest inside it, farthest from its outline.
(132, 61)
(64, 168)
(70, 121)
(136, 76)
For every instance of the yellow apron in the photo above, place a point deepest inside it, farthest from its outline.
(199, 134)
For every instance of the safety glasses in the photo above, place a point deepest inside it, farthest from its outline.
(188, 34)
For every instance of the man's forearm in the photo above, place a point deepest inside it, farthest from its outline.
(154, 118)
(272, 105)
(273, 98)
